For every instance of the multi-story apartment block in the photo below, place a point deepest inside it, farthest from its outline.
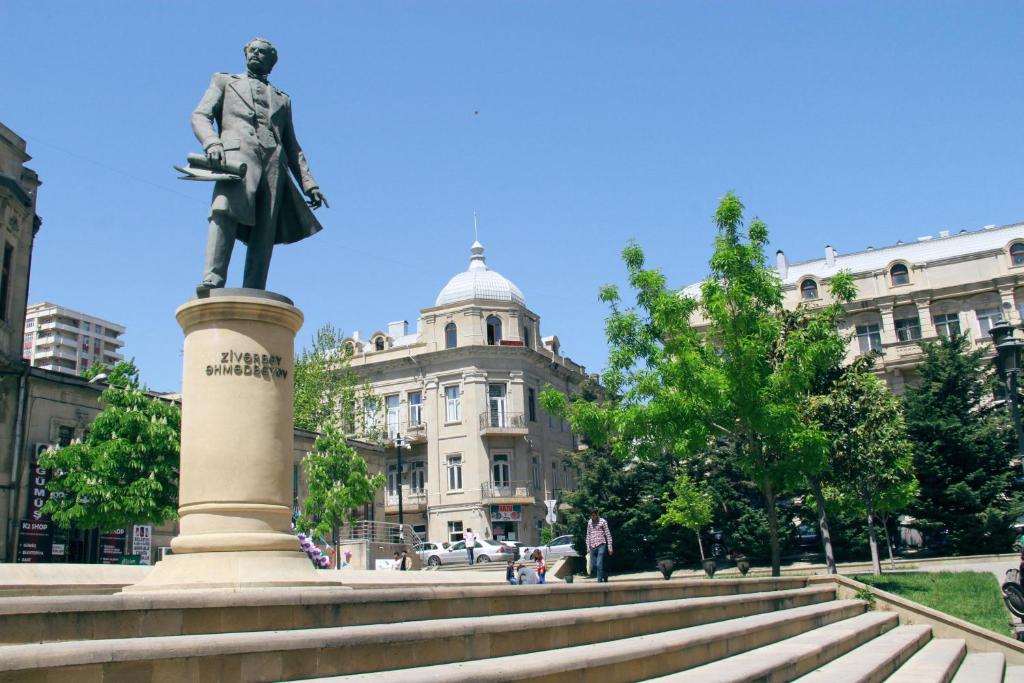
(463, 391)
(907, 292)
(64, 340)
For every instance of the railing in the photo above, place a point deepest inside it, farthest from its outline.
(380, 532)
(502, 420)
(506, 489)
(411, 498)
(412, 432)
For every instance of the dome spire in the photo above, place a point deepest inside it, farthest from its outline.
(477, 261)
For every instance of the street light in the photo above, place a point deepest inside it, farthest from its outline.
(1008, 362)
(400, 443)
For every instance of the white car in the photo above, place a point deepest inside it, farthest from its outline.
(558, 548)
(486, 550)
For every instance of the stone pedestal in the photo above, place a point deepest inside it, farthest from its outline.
(235, 497)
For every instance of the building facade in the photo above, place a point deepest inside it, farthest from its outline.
(19, 225)
(908, 292)
(462, 391)
(64, 340)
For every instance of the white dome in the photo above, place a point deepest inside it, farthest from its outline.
(479, 282)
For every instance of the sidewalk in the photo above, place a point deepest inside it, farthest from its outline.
(997, 564)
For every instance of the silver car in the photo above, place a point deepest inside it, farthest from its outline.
(485, 550)
(558, 548)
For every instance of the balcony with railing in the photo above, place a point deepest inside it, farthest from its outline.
(503, 423)
(507, 492)
(413, 500)
(412, 432)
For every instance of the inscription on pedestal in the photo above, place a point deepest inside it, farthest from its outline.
(245, 364)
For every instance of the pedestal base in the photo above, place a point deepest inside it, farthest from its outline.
(234, 571)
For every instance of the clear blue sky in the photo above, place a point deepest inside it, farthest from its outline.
(570, 127)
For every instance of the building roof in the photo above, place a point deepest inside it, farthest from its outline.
(921, 251)
(479, 282)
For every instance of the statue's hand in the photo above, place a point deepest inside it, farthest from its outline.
(316, 198)
(215, 153)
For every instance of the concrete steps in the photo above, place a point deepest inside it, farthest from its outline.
(981, 667)
(875, 660)
(134, 615)
(631, 659)
(793, 657)
(936, 662)
(711, 631)
(374, 647)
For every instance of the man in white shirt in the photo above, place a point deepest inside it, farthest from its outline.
(470, 538)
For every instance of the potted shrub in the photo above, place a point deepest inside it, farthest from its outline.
(710, 566)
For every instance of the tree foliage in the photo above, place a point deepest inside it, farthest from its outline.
(962, 450)
(327, 391)
(338, 484)
(744, 377)
(871, 464)
(126, 470)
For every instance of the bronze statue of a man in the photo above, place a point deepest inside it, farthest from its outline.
(253, 126)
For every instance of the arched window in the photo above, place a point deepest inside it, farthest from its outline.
(899, 275)
(808, 289)
(1017, 254)
(378, 343)
(451, 336)
(350, 348)
(493, 330)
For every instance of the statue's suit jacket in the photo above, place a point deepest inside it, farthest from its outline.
(228, 103)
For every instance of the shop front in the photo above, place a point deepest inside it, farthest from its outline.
(505, 521)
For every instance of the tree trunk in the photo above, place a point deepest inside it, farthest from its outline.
(700, 544)
(826, 537)
(876, 565)
(888, 541)
(773, 528)
(336, 537)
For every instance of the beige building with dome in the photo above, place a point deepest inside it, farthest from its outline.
(463, 390)
(918, 290)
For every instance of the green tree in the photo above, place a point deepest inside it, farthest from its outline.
(743, 378)
(338, 484)
(327, 391)
(126, 470)
(629, 496)
(871, 457)
(962, 451)
(688, 505)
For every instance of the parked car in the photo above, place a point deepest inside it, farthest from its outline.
(485, 550)
(424, 549)
(558, 548)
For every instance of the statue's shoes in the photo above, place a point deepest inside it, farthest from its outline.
(204, 287)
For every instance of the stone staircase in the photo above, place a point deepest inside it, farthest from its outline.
(755, 629)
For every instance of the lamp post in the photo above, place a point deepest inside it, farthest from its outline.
(1008, 362)
(399, 445)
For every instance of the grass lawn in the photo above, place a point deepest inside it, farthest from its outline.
(971, 596)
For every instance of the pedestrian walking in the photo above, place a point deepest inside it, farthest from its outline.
(599, 544)
(397, 563)
(405, 561)
(470, 538)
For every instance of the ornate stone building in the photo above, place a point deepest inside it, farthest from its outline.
(463, 390)
(18, 227)
(907, 292)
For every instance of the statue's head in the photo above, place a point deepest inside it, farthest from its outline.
(260, 56)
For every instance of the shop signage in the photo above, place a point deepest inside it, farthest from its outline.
(142, 543)
(112, 546)
(38, 494)
(35, 541)
(506, 513)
